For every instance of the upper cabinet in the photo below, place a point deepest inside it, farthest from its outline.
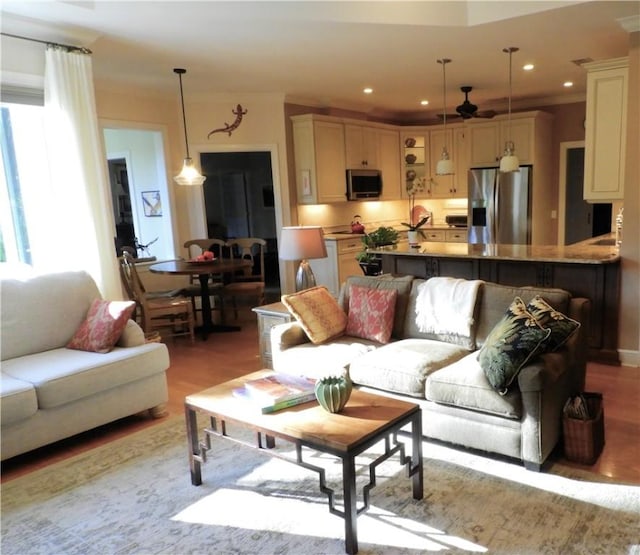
(422, 148)
(605, 130)
(460, 162)
(325, 147)
(319, 152)
(388, 155)
(454, 185)
(361, 148)
(375, 148)
(487, 140)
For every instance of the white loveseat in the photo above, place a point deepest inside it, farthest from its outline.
(49, 392)
(443, 374)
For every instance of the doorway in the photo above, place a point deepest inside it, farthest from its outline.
(121, 201)
(239, 202)
(580, 220)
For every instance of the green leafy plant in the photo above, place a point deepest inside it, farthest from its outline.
(377, 238)
(380, 237)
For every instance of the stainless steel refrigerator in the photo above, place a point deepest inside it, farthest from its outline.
(499, 206)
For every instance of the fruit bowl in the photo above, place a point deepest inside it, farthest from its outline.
(206, 261)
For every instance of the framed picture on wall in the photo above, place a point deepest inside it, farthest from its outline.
(152, 203)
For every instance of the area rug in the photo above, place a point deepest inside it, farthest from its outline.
(134, 496)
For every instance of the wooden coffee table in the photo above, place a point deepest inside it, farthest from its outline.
(366, 419)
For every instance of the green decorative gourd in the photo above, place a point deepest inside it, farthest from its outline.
(333, 392)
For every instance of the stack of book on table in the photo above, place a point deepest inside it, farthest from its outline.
(277, 391)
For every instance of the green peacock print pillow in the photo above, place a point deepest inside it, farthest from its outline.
(562, 327)
(514, 340)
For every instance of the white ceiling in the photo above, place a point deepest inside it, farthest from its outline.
(324, 53)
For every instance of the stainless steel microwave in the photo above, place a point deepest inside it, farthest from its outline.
(364, 184)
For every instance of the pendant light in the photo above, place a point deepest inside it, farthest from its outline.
(445, 165)
(189, 174)
(509, 161)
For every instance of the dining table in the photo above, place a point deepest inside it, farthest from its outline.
(204, 269)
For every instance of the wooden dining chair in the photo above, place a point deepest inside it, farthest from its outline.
(220, 250)
(168, 313)
(251, 282)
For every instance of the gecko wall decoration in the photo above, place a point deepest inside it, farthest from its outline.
(239, 112)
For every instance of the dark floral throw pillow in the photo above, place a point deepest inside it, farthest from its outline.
(514, 340)
(562, 327)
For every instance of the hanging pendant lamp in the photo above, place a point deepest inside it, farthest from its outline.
(509, 161)
(444, 165)
(189, 175)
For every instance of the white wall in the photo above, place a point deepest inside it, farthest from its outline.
(146, 168)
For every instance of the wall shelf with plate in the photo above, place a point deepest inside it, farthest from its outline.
(415, 151)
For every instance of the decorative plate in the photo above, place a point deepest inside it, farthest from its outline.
(419, 212)
(193, 261)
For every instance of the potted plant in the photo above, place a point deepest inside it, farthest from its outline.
(370, 262)
(415, 186)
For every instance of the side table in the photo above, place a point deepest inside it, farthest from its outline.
(269, 315)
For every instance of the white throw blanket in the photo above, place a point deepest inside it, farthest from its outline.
(445, 305)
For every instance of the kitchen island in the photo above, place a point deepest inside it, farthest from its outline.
(587, 269)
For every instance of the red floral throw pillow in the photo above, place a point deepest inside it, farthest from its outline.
(371, 313)
(103, 326)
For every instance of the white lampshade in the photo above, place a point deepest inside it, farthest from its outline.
(509, 161)
(189, 175)
(302, 243)
(444, 165)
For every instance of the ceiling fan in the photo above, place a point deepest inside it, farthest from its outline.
(468, 110)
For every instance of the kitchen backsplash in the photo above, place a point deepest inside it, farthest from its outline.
(338, 216)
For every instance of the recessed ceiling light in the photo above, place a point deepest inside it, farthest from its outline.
(528, 67)
(424, 102)
(567, 84)
(367, 90)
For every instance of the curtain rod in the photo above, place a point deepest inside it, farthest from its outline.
(68, 47)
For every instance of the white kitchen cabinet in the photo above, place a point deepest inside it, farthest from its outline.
(441, 185)
(427, 151)
(339, 264)
(605, 130)
(460, 163)
(433, 234)
(361, 147)
(456, 235)
(375, 148)
(455, 185)
(388, 155)
(319, 152)
(487, 140)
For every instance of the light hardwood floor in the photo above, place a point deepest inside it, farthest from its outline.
(227, 355)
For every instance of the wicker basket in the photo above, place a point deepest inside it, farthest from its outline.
(584, 439)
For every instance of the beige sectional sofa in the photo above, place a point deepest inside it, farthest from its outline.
(443, 374)
(49, 392)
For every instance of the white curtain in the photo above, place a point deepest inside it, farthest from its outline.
(78, 231)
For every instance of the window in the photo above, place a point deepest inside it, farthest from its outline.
(24, 173)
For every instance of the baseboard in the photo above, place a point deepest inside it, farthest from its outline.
(629, 358)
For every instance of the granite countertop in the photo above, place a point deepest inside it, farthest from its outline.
(333, 236)
(584, 252)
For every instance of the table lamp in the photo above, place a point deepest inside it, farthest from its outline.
(302, 243)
